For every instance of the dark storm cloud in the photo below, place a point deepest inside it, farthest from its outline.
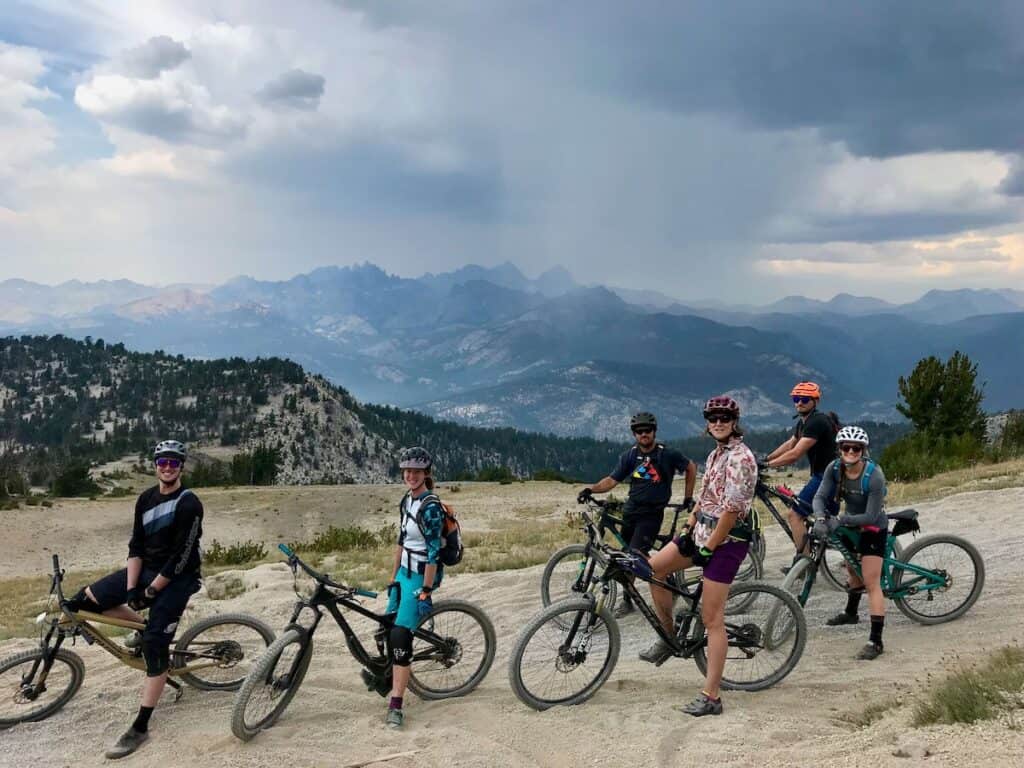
(295, 89)
(903, 225)
(153, 57)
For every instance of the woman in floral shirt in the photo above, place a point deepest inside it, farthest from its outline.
(716, 538)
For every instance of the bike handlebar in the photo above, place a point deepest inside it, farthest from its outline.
(322, 577)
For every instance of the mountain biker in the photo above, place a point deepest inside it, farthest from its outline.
(650, 467)
(813, 436)
(417, 571)
(863, 512)
(716, 538)
(162, 573)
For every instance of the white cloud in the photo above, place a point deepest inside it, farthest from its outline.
(26, 134)
(153, 57)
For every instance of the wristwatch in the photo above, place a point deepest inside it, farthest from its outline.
(149, 592)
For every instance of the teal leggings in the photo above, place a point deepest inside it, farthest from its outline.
(410, 582)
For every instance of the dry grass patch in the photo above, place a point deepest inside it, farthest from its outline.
(22, 599)
(981, 477)
(979, 693)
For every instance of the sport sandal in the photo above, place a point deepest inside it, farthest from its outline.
(703, 705)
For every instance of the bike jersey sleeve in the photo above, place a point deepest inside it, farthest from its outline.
(678, 462)
(136, 545)
(188, 527)
(625, 468)
(431, 521)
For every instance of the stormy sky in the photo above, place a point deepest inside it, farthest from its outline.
(732, 151)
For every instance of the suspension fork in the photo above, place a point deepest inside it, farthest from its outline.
(50, 646)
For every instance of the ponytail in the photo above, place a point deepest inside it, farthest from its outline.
(428, 479)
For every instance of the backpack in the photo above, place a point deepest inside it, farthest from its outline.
(836, 423)
(865, 478)
(452, 547)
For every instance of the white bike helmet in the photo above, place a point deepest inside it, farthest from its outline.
(852, 434)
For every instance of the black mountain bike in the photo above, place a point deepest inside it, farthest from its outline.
(568, 572)
(567, 651)
(453, 649)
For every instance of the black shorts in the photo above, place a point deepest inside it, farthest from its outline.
(640, 528)
(164, 611)
(872, 543)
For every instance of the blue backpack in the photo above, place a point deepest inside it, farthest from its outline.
(865, 479)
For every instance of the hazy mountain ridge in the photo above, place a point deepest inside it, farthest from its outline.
(479, 343)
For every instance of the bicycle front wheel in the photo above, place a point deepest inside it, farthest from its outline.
(759, 655)
(271, 684)
(562, 574)
(23, 699)
(222, 649)
(953, 560)
(565, 654)
(452, 650)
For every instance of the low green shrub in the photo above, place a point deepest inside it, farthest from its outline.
(234, 554)
(336, 539)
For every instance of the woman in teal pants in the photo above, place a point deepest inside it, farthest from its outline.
(417, 570)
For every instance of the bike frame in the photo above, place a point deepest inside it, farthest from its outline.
(70, 624)
(924, 580)
(324, 599)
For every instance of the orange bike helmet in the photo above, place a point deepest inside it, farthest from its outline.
(807, 389)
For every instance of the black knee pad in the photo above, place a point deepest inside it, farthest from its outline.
(157, 656)
(401, 646)
(82, 602)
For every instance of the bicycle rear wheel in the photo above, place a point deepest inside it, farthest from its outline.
(958, 561)
(23, 700)
(564, 655)
(562, 573)
(452, 651)
(758, 656)
(271, 684)
(229, 644)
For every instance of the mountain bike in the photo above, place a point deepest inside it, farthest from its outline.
(934, 580)
(569, 572)
(568, 650)
(832, 563)
(453, 649)
(213, 654)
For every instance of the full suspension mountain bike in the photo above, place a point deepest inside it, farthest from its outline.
(568, 650)
(453, 649)
(934, 580)
(214, 654)
(567, 573)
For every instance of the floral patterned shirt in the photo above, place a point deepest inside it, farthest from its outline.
(730, 475)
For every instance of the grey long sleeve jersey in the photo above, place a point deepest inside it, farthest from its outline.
(859, 509)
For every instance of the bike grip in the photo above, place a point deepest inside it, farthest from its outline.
(286, 549)
(365, 593)
(56, 564)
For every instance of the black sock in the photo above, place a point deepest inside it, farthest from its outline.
(853, 603)
(395, 703)
(877, 624)
(141, 723)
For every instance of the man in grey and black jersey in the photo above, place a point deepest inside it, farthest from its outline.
(161, 574)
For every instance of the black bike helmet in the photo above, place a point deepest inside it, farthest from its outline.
(415, 458)
(169, 448)
(643, 419)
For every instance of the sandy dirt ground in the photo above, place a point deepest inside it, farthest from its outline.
(334, 721)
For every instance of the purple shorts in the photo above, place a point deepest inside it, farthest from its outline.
(725, 563)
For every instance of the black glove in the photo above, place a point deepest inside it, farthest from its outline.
(689, 503)
(702, 557)
(585, 495)
(136, 599)
(762, 464)
(824, 527)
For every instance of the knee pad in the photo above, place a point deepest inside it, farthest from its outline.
(82, 602)
(401, 646)
(157, 656)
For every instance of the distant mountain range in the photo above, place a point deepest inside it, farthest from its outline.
(488, 346)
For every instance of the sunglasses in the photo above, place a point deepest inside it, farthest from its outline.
(719, 418)
(852, 448)
(165, 462)
(643, 431)
(801, 399)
